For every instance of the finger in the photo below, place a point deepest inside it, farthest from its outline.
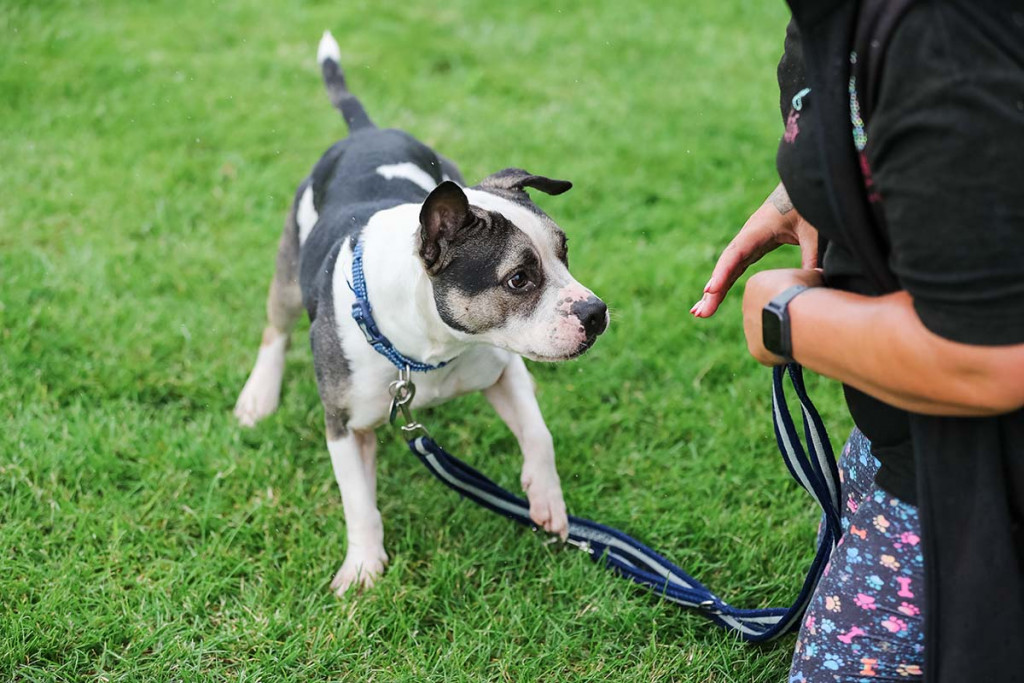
(808, 239)
(728, 270)
(809, 255)
(733, 259)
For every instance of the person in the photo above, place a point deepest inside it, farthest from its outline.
(918, 309)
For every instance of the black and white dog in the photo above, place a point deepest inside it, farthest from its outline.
(465, 278)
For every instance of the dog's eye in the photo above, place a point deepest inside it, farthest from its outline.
(518, 281)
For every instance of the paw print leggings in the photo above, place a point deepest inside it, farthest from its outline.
(864, 622)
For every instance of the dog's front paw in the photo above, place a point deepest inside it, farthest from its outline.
(360, 569)
(254, 403)
(547, 508)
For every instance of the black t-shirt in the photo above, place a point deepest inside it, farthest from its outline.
(946, 151)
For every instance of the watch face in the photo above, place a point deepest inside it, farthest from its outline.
(771, 332)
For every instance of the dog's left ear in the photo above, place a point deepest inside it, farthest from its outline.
(444, 213)
(516, 180)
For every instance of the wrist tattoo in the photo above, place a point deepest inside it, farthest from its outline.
(780, 199)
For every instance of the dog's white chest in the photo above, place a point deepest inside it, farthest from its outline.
(475, 370)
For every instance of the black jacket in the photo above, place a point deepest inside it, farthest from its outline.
(969, 472)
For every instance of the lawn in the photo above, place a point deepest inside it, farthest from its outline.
(149, 152)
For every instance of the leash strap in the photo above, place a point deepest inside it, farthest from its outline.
(813, 467)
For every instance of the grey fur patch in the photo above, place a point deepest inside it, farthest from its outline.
(284, 304)
(333, 374)
(470, 292)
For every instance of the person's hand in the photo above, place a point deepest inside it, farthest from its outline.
(774, 224)
(762, 288)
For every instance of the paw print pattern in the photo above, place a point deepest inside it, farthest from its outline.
(890, 561)
(909, 670)
(909, 610)
(865, 622)
(894, 625)
(865, 601)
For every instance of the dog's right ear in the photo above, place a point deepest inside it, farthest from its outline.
(444, 213)
(517, 180)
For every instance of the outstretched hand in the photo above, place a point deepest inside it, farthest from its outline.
(775, 223)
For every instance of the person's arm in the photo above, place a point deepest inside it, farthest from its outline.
(942, 154)
(880, 346)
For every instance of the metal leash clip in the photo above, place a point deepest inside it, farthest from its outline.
(570, 542)
(402, 391)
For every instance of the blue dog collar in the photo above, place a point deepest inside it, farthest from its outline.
(362, 313)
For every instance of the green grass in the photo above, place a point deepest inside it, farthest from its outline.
(149, 151)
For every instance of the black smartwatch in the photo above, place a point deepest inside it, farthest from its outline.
(775, 332)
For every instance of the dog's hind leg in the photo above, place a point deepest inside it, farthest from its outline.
(262, 391)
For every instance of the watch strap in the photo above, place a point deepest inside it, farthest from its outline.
(778, 307)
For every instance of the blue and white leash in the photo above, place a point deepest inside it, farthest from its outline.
(814, 468)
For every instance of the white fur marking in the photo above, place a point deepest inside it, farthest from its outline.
(328, 49)
(541, 235)
(306, 215)
(408, 171)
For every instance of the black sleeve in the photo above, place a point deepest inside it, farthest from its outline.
(946, 149)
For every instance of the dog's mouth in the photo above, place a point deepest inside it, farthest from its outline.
(580, 350)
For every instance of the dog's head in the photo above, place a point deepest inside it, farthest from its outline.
(500, 271)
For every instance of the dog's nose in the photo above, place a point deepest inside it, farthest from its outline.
(593, 315)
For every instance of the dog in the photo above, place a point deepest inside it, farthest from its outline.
(461, 283)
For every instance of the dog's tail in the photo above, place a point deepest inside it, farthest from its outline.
(329, 57)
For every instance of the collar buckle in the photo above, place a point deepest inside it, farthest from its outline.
(363, 316)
